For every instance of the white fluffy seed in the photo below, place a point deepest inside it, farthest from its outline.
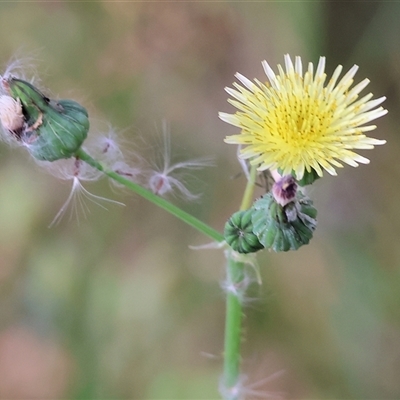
(11, 115)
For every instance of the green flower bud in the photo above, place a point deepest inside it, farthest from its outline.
(284, 228)
(239, 234)
(53, 129)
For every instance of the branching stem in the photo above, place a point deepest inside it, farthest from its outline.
(235, 271)
(155, 199)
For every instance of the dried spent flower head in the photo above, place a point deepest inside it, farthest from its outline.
(106, 147)
(77, 199)
(163, 177)
(49, 129)
(71, 168)
(284, 190)
(297, 123)
(11, 116)
(170, 179)
(77, 171)
(126, 170)
(23, 65)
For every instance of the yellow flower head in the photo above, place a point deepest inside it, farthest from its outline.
(296, 123)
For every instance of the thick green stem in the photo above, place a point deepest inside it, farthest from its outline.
(233, 322)
(235, 271)
(148, 195)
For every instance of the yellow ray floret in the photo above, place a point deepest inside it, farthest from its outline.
(297, 122)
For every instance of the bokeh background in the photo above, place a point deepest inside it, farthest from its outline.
(117, 305)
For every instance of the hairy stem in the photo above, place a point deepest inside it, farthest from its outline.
(235, 271)
(158, 201)
(234, 313)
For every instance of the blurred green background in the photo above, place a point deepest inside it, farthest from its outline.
(117, 305)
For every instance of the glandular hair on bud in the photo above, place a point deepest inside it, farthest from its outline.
(11, 115)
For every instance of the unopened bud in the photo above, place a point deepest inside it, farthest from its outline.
(239, 234)
(283, 228)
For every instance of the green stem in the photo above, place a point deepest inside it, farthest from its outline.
(249, 191)
(233, 326)
(148, 195)
(235, 270)
(233, 322)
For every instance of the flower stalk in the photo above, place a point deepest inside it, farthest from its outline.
(234, 313)
(235, 270)
(233, 329)
(148, 195)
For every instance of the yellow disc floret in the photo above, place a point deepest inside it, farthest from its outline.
(297, 122)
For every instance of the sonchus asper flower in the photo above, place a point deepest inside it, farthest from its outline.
(297, 123)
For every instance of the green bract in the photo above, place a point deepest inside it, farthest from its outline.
(284, 228)
(239, 234)
(53, 129)
(308, 177)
